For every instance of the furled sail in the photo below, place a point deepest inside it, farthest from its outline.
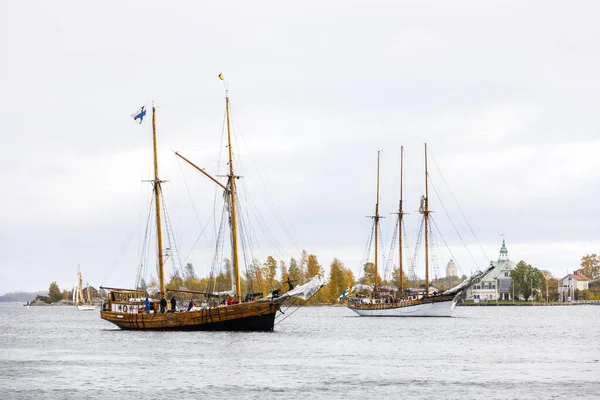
(303, 292)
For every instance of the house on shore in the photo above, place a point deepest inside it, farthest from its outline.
(495, 285)
(569, 284)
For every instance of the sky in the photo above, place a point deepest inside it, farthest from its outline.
(504, 93)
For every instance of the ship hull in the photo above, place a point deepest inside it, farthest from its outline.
(253, 316)
(440, 307)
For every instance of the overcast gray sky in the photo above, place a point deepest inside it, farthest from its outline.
(505, 93)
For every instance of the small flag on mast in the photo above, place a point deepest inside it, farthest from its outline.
(221, 76)
(139, 114)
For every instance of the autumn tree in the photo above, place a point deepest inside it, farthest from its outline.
(340, 279)
(550, 286)
(368, 277)
(303, 265)
(285, 275)
(54, 293)
(296, 273)
(270, 267)
(590, 266)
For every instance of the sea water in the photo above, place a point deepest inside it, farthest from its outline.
(317, 352)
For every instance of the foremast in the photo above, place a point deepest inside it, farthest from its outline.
(426, 220)
(157, 192)
(231, 179)
(376, 218)
(400, 222)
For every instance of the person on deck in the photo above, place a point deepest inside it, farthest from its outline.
(173, 304)
(191, 304)
(163, 305)
(147, 305)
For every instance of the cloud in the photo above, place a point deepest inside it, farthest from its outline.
(502, 92)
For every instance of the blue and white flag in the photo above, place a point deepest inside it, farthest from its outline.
(343, 294)
(139, 114)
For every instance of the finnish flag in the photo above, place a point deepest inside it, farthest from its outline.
(139, 114)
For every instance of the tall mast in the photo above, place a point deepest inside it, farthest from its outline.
(157, 182)
(426, 216)
(400, 215)
(376, 225)
(231, 177)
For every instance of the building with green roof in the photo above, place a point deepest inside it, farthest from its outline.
(495, 285)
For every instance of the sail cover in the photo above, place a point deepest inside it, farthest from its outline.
(303, 292)
(469, 281)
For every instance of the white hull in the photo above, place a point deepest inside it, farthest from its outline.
(86, 308)
(437, 309)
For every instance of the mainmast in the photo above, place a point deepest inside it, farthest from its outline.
(400, 216)
(426, 216)
(157, 182)
(231, 178)
(376, 225)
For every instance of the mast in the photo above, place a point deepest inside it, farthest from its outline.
(400, 215)
(426, 216)
(231, 177)
(376, 225)
(157, 182)
(79, 298)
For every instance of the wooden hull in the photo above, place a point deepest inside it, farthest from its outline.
(440, 306)
(251, 316)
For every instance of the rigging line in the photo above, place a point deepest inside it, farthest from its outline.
(365, 258)
(123, 248)
(266, 191)
(263, 225)
(171, 238)
(448, 247)
(187, 188)
(392, 248)
(196, 242)
(415, 259)
(297, 308)
(145, 250)
(382, 246)
(452, 222)
(460, 209)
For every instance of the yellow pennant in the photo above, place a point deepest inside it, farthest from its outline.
(221, 76)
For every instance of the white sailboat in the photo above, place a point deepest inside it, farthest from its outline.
(382, 301)
(78, 298)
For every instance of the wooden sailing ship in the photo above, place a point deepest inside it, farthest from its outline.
(383, 302)
(131, 309)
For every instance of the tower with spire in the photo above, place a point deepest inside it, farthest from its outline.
(451, 269)
(495, 285)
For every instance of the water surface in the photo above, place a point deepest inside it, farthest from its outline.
(318, 352)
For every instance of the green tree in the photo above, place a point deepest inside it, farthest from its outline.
(526, 280)
(590, 266)
(54, 293)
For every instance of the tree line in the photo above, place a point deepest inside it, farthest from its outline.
(527, 282)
